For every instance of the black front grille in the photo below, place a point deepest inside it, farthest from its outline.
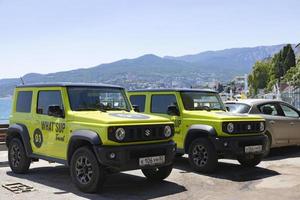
(243, 127)
(140, 133)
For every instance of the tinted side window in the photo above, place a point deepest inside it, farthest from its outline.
(160, 103)
(268, 109)
(138, 100)
(46, 99)
(289, 112)
(24, 101)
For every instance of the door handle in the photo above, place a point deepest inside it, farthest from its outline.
(272, 122)
(292, 123)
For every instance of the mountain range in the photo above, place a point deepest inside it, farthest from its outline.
(153, 71)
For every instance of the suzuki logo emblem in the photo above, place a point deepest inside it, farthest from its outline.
(147, 132)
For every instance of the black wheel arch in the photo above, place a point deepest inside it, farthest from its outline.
(19, 131)
(270, 137)
(196, 131)
(81, 138)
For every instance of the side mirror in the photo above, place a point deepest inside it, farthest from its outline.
(136, 108)
(173, 110)
(56, 111)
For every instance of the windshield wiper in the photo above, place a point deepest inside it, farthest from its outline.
(91, 109)
(203, 108)
(119, 109)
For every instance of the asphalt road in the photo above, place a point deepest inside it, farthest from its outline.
(278, 177)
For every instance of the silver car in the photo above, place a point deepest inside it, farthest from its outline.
(282, 119)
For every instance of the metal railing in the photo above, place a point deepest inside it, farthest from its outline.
(292, 97)
(3, 130)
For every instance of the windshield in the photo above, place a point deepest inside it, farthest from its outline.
(202, 101)
(238, 107)
(97, 98)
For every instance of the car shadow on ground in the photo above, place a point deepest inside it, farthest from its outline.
(228, 171)
(283, 153)
(117, 186)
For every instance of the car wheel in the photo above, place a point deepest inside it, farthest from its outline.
(87, 174)
(158, 173)
(202, 156)
(178, 155)
(19, 162)
(250, 160)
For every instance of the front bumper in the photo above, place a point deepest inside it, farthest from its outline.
(235, 146)
(127, 157)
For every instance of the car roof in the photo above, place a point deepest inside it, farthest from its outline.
(254, 101)
(67, 84)
(173, 90)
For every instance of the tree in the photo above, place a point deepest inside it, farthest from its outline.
(259, 77)
(293, 76)
(282, 62)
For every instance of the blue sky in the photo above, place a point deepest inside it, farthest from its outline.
(58, 35)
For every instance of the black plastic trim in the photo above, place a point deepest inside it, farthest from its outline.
(22, 130)
(235, 145)
(50, 159)
(88, 135)
(127, 157)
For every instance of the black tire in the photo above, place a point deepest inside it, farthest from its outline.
(268, 145)
(250, 160)
(158, 173)
(86, 173)
(178, 155)
(203, 156)
(19, 162)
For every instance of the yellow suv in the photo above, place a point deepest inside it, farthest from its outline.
(90, 128)
(203, 128)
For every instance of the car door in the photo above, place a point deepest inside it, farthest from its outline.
(159, 106)
(51, 129)
(275, 122)
(292, 120)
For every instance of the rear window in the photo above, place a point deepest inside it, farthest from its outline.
(238, 107)
(138, 100)
(24, 101)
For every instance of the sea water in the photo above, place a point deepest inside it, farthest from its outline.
(5, 109)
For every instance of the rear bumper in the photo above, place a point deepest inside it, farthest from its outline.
(235, 146)
(127, 157)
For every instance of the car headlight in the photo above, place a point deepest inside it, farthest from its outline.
(261, 126)
(120, 134)
(167, 131)
(230, 127)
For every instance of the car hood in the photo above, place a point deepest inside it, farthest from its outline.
(222, 115)
(116, 117)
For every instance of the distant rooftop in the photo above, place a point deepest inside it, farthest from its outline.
(67, 84)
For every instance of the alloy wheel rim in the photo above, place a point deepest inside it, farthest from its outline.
(15, 155)
(83, 170)
(200, 155)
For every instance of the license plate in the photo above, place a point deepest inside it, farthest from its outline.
(253, 149)
(151, 161)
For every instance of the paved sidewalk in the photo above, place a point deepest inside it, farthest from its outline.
(277, 178)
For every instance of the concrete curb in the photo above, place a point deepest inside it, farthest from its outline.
(3, 146)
